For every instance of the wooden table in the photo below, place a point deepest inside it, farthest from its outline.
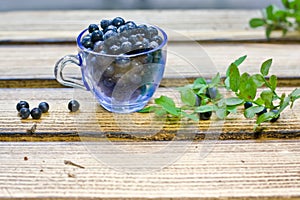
(49, 158)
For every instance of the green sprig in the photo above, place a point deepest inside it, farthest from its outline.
(244, 87)
(274, 18)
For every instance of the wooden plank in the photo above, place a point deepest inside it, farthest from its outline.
(231, 169)
(217, 25)
(93, 121)
(185, 60)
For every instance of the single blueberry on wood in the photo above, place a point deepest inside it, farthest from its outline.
(36, 113)
(44, 106)
(24, 113)
(73, 105)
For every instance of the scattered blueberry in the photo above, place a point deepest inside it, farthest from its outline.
(248, 105)
(24, 113)
(205, 116)
(73, 105)
(212, 92)
(93, 27)
(44, 106)
(36, 113)
(276, 118)
(22, 104)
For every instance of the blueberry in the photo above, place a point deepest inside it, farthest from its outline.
(111, 28)
(24, 113)
(211, 93)
(98, 46)
(152, 31)
(205, 116)
(115, 49)
(248, 105)
(44, 106)
(276, 118)
(96, 36)
(142, 29)
(118, 21)
(157, 39)
(133, 39)
(153, 45)
(105, 23)
(93, 27)
(131, 25)
(87, 42)
(126, 47)
(262, 112)
(109, 34)
(122, 28)
(36, 113)
(73, 105)
(198, 100)
(22, 104)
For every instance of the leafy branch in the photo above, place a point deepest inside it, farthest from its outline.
(274, 18)
(202, 98)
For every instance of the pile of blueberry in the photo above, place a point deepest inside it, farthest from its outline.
(118, 36)
(36, 113)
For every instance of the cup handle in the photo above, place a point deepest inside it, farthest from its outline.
(59, 67)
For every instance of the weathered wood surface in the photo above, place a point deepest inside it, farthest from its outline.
(49, 26)
(185, 60)
(61, 125)
(230, 169)
(34, 153)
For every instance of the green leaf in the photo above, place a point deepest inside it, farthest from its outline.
(234, 77)
(256, 22)
(273, 82)
(295, 93)
(221, 113)
(269, 30)
(258, 79)
(215, 81)
(190, 116)
(267, 96)
(206, 108)
(284, 103)
(265, 117)
(167, 104)
(233, 101)
(188, 96)
(269, 12)
(226, 83)
(199, 83)
(240, 60)
(148, 109)
(265, 67)
(252, 111)
(247, 87)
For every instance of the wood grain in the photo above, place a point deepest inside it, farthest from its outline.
(205, 25)
(94, 122)
(229, 169)
(22, 63)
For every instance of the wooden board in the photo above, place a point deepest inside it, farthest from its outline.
(185, 60)
(47, 26)
(231, 169)
(92, 120)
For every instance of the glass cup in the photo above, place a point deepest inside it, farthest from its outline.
(121, 82)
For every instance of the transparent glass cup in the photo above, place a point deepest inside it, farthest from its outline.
(122, 83)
